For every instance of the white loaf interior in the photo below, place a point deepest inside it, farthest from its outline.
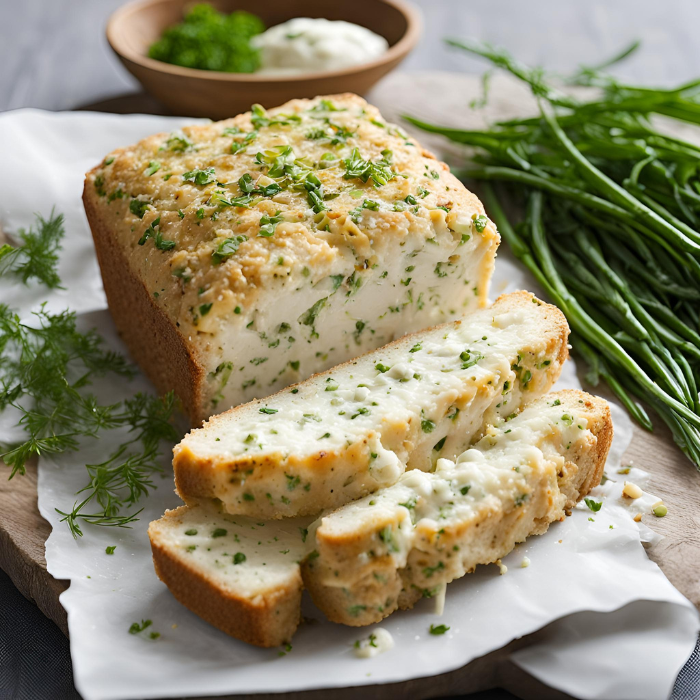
(355, 428)
(385, 551)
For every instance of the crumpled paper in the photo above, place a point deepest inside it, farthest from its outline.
(591, 563)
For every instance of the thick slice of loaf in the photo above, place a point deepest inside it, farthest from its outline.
(244, 255)
(354, 429)
(239, 575)
(406, 542)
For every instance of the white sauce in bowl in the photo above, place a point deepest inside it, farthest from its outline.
(305, 45)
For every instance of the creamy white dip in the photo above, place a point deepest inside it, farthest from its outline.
(305, 45)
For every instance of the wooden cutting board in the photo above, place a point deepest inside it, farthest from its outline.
(442, 98)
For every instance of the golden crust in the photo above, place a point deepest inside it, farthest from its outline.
(587, 471)
(265, 621)
(161, 350)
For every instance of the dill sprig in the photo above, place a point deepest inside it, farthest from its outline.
(37, 257)
(46, 370)
(47, 367)
(124, 477)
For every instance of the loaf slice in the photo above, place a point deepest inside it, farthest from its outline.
(386, 551)
(239, 575)
(355, 428)
(406, 542)
(244, 255)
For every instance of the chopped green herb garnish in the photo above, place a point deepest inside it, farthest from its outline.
(200, 177)
(480, 223)
(595, 506)
(357, 167)
(138, 207)
(136, 627)
(227, 248)
(427, 425)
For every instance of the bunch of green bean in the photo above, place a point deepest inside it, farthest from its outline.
(611, 229)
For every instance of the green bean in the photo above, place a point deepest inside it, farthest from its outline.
(592, 359)
(611, 230)
(618, 194)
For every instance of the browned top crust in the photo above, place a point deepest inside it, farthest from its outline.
(194, 210)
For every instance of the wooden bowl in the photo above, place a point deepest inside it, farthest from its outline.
(200, 93)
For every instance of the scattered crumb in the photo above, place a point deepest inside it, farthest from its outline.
(502, 567)
(631, 490)
(623, 470)
(174, 627)
(525, 563)
(638, 518)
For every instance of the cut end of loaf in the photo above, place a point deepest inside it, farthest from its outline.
(224, 296)
(265, 618)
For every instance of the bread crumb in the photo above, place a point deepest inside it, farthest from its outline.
(503, 568)
(525, 563)
(638, 518)
(631, 490)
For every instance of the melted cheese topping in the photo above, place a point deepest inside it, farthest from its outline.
(424, 531)
(355, 429)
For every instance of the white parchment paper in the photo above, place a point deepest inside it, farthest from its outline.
(591, 563)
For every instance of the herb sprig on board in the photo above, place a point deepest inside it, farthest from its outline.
(611, 229)
(37, 257)
(47, 367)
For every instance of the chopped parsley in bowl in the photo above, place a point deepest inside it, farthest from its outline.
(211, 40)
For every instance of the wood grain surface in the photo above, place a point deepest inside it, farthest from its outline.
(444, 98)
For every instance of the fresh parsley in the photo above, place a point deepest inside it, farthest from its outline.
(379, 172)
(595, 506)
(200, 177)
(227, 248)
